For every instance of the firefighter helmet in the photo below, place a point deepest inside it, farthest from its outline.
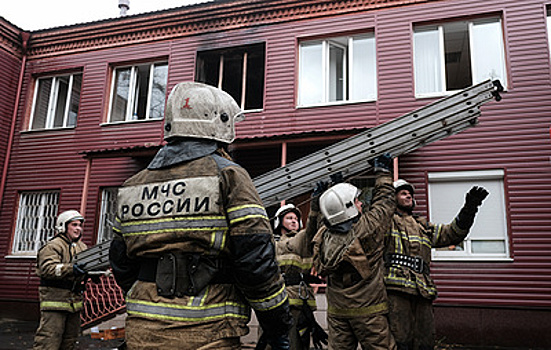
(201, 111)
(284, 210)
(403, 184)
(337, 203)
(66, 217)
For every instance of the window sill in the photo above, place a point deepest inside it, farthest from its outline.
(472, 258)
(20, 256)
(125, 122)
(335, 103)
(48, 130)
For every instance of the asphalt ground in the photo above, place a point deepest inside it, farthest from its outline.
(19, 335)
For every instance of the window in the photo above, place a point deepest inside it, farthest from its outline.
(238, 71)
(138, 92)
(36, 217)
(549, 28)
(337, 69)
(107, 214)
(487, 239)
(453, 56)
(56, 101)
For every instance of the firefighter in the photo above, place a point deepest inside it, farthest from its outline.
(408, 245)
(349, 251)
(294, 256)
(61, 285)
(193, 246)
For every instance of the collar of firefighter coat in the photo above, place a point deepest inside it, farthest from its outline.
(182, 150)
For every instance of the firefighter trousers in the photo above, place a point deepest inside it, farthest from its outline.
(371, 332)
(411, 321)
(58, 330)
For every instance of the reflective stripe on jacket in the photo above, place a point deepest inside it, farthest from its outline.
(355, 284)
(206, 206)
(54, 263)
(415, 236)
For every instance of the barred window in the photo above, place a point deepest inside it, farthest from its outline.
(108, 211)
(35, 224)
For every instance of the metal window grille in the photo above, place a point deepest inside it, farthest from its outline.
(107, 214)
(35, 225)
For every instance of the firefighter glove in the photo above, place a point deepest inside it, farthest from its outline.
(78, 271)
(336, 178)
(475, 196)
(382, 163)
(319, 336)
(321, 186)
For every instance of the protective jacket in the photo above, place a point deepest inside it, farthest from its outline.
(59, 290)
(294, 256)
(205, 214)
(414, 237)
(353, 261)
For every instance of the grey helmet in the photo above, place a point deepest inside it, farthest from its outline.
(403, 184)
(66, 217)
(337, 203)
(201, 111)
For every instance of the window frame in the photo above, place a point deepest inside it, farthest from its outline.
(131, 101)
(108, 197)
(41, 233)
(245, 51)
(473, 60)
(497, 175)
(347, 44)
(51, 109)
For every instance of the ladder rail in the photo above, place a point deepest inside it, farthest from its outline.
(398, 136)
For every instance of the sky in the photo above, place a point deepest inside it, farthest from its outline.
(43, 14)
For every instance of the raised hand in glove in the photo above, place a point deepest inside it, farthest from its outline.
(336, 178)
(78, 271)
(321, 186)
(382, 163)
(475, 196)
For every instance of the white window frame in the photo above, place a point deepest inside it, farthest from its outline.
(548, 18)
(499, 73)
(496, 199)
(131, 98)
(108, 211)
(346, 43)
(52, 102)
(35, 224)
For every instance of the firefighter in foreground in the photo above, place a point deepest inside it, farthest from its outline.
(193, 246)
(408, 246)
(349, 250)
(294, 256)
(61, 285)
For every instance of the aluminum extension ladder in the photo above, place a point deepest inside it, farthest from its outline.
(401, 135)
(351, 156)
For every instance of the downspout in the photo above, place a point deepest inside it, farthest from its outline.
(283, 160)
(85, 186)
(25, 37)
(395, 163)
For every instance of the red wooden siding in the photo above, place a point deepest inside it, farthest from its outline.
(513, 134)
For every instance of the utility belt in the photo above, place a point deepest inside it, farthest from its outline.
(415, 263)
(75, 287)
(177, 274)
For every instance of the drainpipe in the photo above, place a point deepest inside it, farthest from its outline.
(283, 160)
(25, 37)
(85, 186)
(396, 175)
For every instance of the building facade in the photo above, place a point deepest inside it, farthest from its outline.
(82, 110)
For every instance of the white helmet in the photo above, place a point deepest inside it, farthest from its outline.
(284, 210)
(337, 203)
(66, 217)
(201, 111)
(403, 184)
